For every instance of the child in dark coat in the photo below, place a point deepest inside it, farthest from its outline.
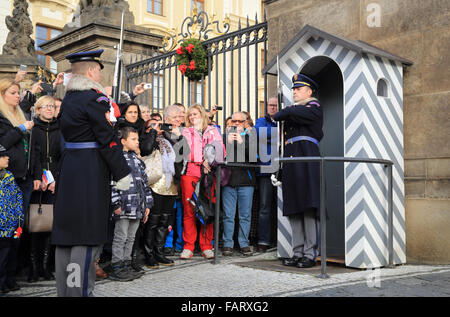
(129, 206)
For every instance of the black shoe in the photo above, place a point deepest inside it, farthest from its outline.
(262, 248)
(169, 251)
(162, 260)
(291, 261)
(119, 273)
(129, 269)
(151, 263)
(306, 263)
(246, 251)
(226, 251)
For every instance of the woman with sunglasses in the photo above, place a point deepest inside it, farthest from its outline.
(46, 153)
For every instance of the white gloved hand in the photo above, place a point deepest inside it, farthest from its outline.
(124, 183)
(275, 181)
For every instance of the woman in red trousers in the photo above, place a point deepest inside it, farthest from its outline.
(200, 136)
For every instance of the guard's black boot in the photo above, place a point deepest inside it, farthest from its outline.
(47, 260)
(33, 274)
(160, 240)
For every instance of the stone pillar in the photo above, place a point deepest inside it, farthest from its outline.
(19, 46)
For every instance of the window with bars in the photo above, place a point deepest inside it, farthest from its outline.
(43, 34)
(155, 6)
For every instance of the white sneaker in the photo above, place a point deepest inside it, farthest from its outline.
(209, 254)
(186, 254)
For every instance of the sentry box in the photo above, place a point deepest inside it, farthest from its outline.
(361, 92)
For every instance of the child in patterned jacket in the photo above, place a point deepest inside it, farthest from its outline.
(129, 206)
(11, 215)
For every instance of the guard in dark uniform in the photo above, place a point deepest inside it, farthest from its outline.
(301, 181)
(83, 192)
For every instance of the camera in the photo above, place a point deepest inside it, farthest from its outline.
(23, 67)
(147, 86)
(233, 130)
(166, 127)
(219, 108)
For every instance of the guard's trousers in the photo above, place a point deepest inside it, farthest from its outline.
(305, 234)
(75, 270)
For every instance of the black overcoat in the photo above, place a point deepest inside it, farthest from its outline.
(83, 192)
(301, 181)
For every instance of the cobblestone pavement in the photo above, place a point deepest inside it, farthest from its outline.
(238, 276)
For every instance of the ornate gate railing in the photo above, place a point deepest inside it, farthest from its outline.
(234, 79)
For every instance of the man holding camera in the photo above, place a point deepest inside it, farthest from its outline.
(240, 187)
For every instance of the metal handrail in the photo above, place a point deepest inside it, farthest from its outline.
(322, 160)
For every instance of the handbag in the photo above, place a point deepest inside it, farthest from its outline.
(40, 217)
(153, 167)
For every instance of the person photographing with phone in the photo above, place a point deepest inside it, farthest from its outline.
(240, 185)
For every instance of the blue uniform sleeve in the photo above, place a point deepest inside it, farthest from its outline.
(307, 115)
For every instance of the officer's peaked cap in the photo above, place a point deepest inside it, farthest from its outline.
(300, 80)
(91, 56)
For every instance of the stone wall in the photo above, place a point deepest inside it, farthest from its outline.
(419, 31)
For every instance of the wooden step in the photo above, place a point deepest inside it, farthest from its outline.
(334, 259)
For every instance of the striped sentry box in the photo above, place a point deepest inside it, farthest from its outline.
(373, 128)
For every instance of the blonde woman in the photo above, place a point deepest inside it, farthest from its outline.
(46, 153)
(14, 137)
(200, 136)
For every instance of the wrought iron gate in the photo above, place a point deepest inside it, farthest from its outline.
(234, 79)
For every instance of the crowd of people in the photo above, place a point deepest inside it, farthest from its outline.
(122, 182)
(153, 214)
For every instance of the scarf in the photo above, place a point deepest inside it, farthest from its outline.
(168, 159)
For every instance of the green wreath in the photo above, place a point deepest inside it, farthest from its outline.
(192, 61)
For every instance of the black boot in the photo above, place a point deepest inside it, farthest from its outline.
(47, 260)
(33, 275)
(160, 240)
(149, 241)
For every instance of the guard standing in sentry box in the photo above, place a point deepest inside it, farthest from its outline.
(91, 155)
(301, 181)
